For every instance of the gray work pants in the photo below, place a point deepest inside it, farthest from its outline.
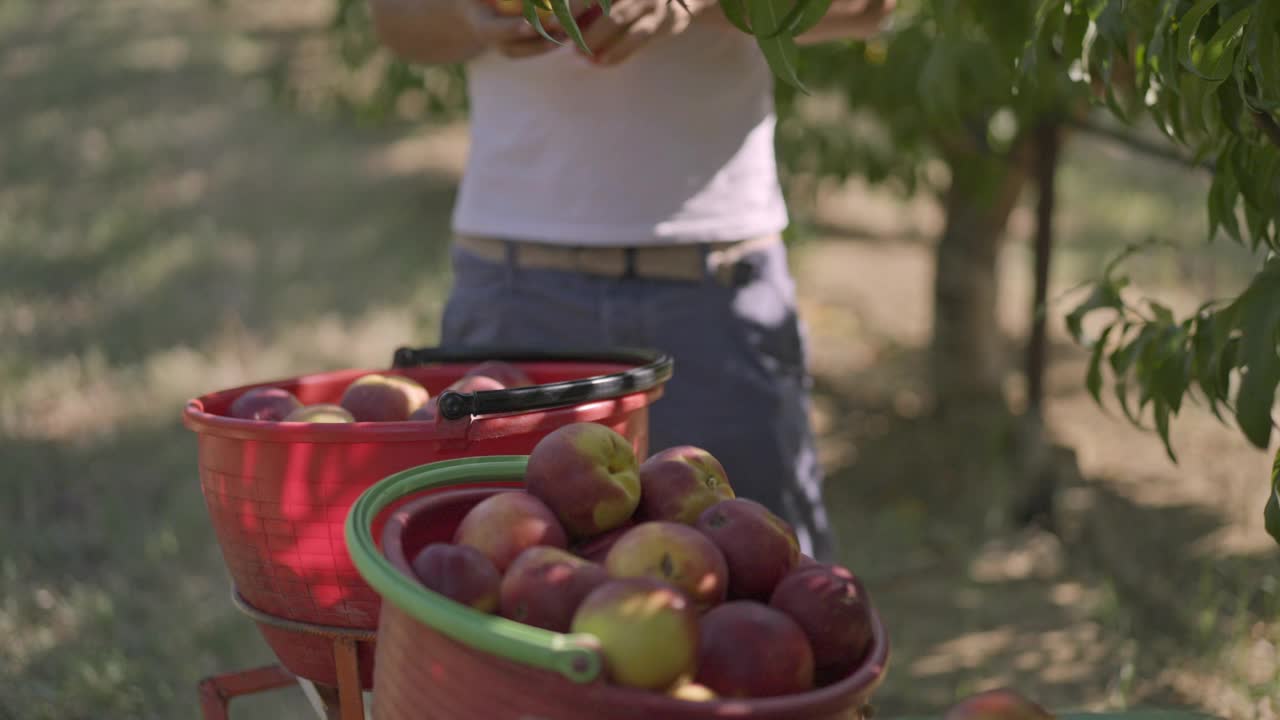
(740, 388)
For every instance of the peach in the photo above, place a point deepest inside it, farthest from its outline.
(998, 704)
(596, 548)
(678, 483)
(588, 475)
(747, 649)
(379, 398)
(759, 547)
(504, 372)
(544, 586)
(460, 573)
(320, 413)
(425, 413)
(475, 383)
(264, 403)
(506, 524)
(418, 395)
(692, 692)
(673, 553)
(830, 606)
(647, 631)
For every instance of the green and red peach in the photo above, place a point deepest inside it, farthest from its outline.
(381, 398)
(678, 483)
(588, 475)
(320, 413)
(647, 631)
(673, 553)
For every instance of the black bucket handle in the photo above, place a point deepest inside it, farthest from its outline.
(652, 368)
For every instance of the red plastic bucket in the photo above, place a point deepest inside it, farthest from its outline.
(439, 660)
(278, 493)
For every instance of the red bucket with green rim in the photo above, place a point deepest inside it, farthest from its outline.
(440, 660)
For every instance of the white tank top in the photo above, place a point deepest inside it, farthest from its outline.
(674, 145)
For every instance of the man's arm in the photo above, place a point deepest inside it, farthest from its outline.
(430, 32)
(849, 20)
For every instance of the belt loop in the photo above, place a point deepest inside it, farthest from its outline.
(708, 272)
(629, 263)
(512, 262)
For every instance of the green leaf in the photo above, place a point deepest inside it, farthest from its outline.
(1093, 378)
(816, 10)
(1262, 46)
(781, 51)
(1188, 25)
(1259, 322)
(736, 12)
(531, 15)
(1220, 52)
(1105, 295)
(1271, 514)
(1224, 197)
(1122, 359)
(565, 15)
(1161, 413)
(787, 25)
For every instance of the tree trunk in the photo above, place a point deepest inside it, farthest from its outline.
(967, 353)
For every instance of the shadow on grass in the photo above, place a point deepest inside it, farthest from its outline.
(972, 602)
(125, 582)
(143, 205)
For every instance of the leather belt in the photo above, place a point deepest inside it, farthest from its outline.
(688, 262)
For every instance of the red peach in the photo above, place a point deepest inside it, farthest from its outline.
(544, 587)
(830, 606)
(747, 649)
(998, 704)
(504, 525)
(460, 573)
(264, 403)
(759, 547)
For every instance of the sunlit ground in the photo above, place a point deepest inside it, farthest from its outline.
(167, 229)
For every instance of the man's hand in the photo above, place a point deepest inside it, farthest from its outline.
(510, 35)
(632, 24)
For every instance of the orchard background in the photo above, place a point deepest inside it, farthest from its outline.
(196, 195)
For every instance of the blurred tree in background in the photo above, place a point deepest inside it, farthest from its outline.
(970, 101)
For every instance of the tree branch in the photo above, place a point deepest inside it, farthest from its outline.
(1133, 142)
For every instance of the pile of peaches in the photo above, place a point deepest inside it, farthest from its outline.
(374, 397)
(687, 589)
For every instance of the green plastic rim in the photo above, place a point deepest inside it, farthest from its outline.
(572, 655)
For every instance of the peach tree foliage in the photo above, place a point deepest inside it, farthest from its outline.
(980, 75)
(1205, 72)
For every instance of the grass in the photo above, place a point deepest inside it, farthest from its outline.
(167, 229)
